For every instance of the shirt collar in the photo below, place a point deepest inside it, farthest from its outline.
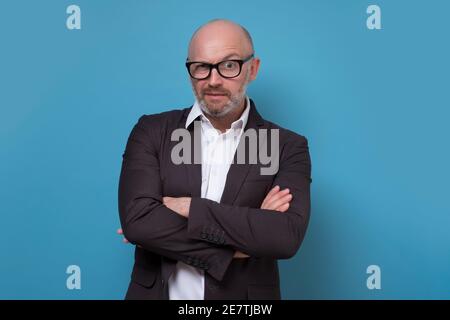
(196, 111)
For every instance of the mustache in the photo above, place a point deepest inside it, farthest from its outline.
(215, 92)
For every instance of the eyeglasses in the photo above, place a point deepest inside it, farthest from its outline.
(227, 69)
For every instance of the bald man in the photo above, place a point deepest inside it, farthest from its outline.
(214, 228)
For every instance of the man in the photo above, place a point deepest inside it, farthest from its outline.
(212, 230)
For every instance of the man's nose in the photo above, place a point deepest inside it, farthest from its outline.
(215, 79)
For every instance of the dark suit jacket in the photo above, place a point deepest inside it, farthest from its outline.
(213, 231)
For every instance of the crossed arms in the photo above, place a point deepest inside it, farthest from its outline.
(174, 227)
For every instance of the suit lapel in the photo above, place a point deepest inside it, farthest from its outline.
(194, 169)
(238, 172)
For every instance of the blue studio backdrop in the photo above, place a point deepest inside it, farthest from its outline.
(373, 103)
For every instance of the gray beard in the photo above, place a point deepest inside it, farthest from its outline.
(234, 103)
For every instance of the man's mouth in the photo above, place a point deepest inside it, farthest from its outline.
(215, 94)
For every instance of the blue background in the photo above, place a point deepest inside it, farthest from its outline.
(373, 104)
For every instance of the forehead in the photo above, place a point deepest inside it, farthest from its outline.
(216, 42)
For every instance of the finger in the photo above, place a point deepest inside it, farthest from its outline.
(125, 240)
(273, 191)
(283, 200)
(119, 231)
(283, 208)
(276, 197)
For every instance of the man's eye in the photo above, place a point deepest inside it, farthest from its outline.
(230, 64)
(201, 67)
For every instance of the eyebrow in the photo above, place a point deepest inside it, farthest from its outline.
(230, 56)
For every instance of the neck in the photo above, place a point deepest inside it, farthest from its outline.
(223, 123)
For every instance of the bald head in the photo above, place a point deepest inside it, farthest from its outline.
(220, 35)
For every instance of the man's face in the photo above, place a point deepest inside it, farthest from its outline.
(218, 95)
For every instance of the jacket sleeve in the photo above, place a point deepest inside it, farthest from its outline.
(259, 232)
(146, 221)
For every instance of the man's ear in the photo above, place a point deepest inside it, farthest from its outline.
(254, 68)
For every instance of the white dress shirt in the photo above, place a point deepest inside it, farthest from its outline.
(217, 149)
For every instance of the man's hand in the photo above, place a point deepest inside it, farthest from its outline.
(179, 205)
(120, 232)
(277, 200)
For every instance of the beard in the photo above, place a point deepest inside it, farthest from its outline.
(220, 110)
